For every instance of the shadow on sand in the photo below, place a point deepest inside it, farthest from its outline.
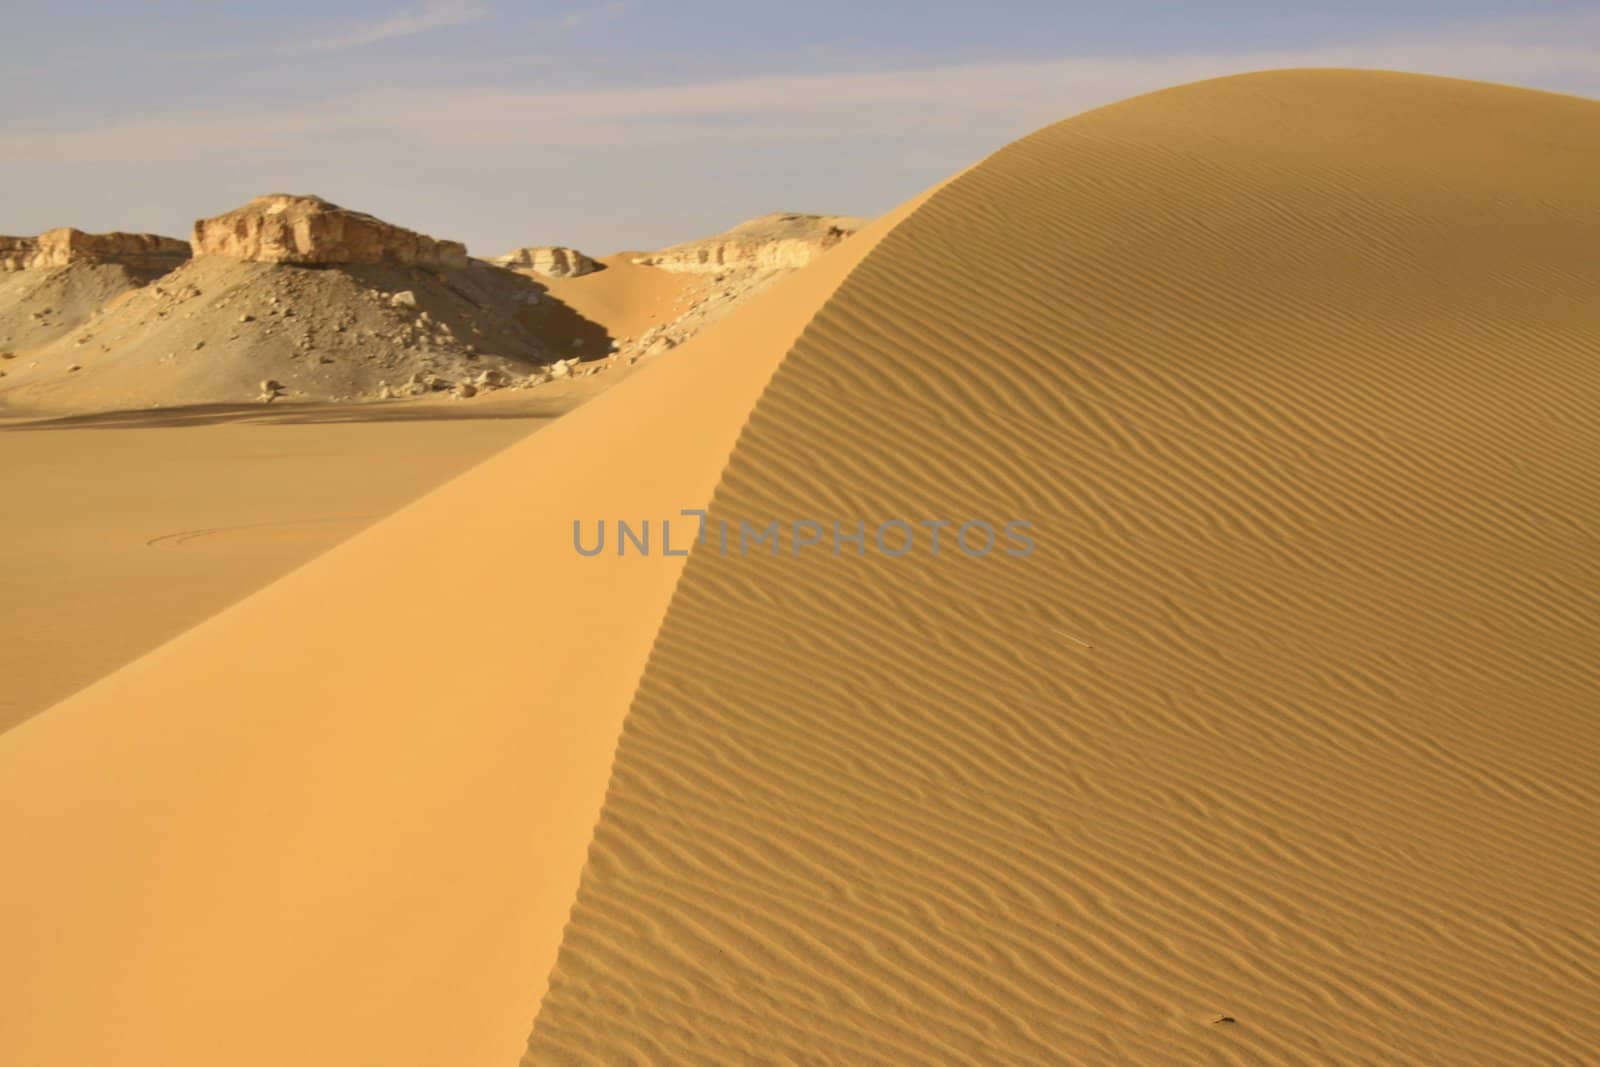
(289, 414)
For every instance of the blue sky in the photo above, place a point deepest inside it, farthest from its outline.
(614, 124)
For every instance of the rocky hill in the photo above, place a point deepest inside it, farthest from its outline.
(53, 283)
(784, 241)
(291, 297)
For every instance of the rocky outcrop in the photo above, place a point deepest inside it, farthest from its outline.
(308, 230)
(552, 260)
(65, 246)
(18, 253)
(771, 242)
(221, 330)
(730, 268)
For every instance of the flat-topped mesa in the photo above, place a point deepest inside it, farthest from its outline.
(64, 246)
(553, 260)
(784, 241)
(308, 230)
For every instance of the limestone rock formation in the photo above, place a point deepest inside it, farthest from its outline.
(729, 268)
(782, 241)
(65, 246)
(553, 260)
(308, 230)
(18, 253)
(229, 331)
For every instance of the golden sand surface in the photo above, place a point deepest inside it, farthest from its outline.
(342, 821)
(1281, 747)
(1293, 717)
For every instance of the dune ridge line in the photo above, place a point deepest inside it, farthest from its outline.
(1281, 748)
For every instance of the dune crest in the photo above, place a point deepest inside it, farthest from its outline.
(1281, 747)
(342, 822)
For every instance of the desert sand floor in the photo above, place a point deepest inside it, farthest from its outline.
(1281, 748)
(120, 531)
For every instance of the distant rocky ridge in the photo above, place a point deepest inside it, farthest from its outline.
(729, 268)
(310, 231)
(784, 241)
(65, 246)
(53, 283)
(287, 298)
(553, 260)
(297, 299)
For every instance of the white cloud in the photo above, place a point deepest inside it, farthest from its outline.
(585, 16)
(994, 100)
(443, 14)
(432, 15)
(463, 160)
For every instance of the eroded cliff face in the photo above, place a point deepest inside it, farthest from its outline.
(65, 246)
(552, 260)
(308, 230)
(17, 253)
(784, 241)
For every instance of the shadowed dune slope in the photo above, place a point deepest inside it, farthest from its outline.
(1292, 717)
(343, 822)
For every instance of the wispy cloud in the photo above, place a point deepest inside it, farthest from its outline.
(582, 17)
(432, 15)
(841, 141)
(999, 100)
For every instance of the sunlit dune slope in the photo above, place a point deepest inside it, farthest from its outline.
(342, 822)
(1282, 747)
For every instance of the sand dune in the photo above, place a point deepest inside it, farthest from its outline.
(1291, 718)
(624, 298)
(1287, 722)
(342, 822)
